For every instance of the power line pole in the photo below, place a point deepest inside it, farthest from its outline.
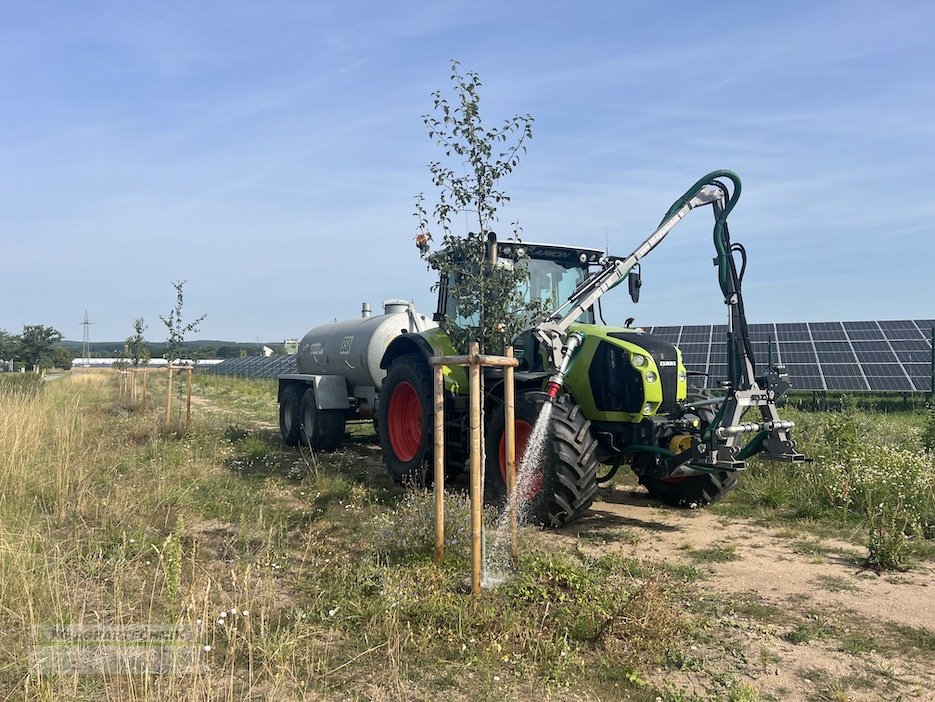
(86, 341)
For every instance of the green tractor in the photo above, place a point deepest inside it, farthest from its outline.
(617, 396)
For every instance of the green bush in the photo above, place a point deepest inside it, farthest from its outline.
(928, 431)
(893, 491)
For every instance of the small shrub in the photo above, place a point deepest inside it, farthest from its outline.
(893, 491)
(928, 431)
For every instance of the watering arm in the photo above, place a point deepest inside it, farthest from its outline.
(720, 447)
(614, 269)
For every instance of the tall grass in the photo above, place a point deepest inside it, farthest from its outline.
(281, 581)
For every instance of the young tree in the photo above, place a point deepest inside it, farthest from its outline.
(136, 349)
(36, 345)
(62, 358)
(176, 328)
(488, 301)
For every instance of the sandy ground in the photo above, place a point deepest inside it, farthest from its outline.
(819, 583)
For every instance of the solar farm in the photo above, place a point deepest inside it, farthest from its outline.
(865, 356)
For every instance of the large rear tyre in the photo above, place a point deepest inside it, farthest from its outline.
(321, 429)
(289, 415)
(562, 486)
(405, 421)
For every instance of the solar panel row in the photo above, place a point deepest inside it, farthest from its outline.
(891, 355)
(256, 366)
(886, 356)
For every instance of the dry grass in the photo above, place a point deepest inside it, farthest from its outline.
(281, 582)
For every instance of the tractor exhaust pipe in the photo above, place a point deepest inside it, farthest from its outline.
(557, 381)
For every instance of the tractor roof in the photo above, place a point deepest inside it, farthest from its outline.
(568, 255)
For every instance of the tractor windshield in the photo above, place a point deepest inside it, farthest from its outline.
(551, 281)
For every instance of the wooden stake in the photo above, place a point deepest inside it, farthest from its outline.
(188, 410)
(169, 396)
(476, 496)
(509, 414)
(439, 376)
(145, 376)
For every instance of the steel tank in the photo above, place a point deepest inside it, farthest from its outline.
(355, 347)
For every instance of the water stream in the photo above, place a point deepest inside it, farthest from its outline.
(497, 566)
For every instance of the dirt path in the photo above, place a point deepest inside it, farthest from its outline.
(824, 614)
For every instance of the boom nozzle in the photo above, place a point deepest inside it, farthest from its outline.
(557, 381)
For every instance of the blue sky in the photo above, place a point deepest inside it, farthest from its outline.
(269, 153)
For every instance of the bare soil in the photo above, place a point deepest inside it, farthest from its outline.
(800, 617)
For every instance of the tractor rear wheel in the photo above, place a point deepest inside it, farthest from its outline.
(405, 419)
(322, 429)
(562, 486)
(289, 415)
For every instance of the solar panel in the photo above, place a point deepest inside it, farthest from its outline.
(884, 356)
(886, 384)
(792, 332)
(844, 376)
(256, 366)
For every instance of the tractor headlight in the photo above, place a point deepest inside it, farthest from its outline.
(638, 360)
(650, 377)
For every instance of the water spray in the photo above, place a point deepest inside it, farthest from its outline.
(558, 380)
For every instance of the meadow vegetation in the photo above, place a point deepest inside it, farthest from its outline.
(872, 472)
(287, 574)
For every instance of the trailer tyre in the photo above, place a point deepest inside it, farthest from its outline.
(289, 416)
(405, 421)
(321, 429)
(562, 487)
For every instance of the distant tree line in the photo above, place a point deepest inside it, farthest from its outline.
(38, 346)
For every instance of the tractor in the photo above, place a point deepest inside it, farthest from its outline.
(618, 396)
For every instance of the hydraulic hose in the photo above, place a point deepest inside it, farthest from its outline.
(645, 448)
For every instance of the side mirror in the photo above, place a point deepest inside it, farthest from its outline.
(634, 283)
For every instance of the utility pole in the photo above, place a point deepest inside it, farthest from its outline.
(86, 341)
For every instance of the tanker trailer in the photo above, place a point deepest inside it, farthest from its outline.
(339, 374)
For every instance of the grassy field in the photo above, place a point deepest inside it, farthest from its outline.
(282, 575)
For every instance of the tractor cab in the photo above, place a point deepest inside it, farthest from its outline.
(555, 272)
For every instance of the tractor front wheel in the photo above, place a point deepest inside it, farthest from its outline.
(691, 491)
(562, 483)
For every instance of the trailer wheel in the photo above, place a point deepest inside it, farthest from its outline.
(405, 419)
(563, 485)
(321, 429)
(289, 415)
